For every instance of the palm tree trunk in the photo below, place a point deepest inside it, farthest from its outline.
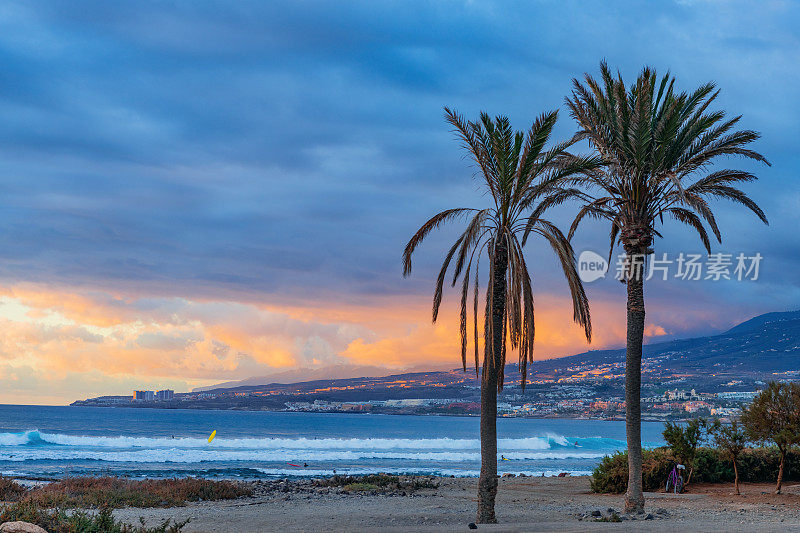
(634, 497)
(487, 483)
(780, 470)
(736, 477)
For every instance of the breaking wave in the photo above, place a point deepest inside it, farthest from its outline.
(280, 456)
(547, 442)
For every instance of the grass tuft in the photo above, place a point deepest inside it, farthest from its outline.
(59, 521)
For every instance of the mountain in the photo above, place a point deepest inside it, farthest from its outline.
(766, 345)
(300, 375)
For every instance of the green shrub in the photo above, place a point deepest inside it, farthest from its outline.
(710, 469)
(611, 475)
(756, 465)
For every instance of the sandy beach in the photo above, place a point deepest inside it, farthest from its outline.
(523, 504)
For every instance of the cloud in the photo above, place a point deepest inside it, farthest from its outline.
(207, 191)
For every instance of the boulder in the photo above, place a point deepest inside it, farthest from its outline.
(20, 527)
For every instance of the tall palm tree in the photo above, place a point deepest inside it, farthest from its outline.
(656, 145)
(519, 174)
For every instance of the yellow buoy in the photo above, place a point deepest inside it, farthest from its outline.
(211, 437)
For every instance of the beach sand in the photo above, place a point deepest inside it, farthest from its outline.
(523, 504)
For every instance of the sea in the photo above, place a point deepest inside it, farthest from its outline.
(52, 442)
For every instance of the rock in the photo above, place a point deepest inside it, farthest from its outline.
(661, 510)
(20, 527)
(596, 513)
(509, 474)
(649, 516)
(472, 525)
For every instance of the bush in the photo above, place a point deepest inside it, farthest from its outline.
(611, 475)
(756, 465)
(380, 480)
(377, 481)
(10, 490)
(58, 521)
(113, 492)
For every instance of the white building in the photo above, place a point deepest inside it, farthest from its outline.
(743, 395)
(165, 395)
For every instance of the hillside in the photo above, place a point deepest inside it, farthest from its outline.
(764, 346)
(741, 359)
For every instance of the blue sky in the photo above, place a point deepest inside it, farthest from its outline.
(156, 156)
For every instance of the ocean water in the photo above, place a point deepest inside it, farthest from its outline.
(62, 441)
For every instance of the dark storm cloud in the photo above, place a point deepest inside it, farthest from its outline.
(287, 148)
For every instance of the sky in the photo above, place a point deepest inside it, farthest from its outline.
(196, 192)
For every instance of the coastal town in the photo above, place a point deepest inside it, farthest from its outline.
(453, 393)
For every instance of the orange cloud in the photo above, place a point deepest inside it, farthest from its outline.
(61, 333)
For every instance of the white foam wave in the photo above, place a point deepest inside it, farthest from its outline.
(14, 439)
(547, 442)
(176, 455)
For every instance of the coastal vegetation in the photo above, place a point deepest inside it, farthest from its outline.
(683, 440)
(731, 441)
(79, 521)
(522, 178)
(378, 483)
(653, 142)
(755, 465)
(774, 417)
(59, 507)
(116, 492)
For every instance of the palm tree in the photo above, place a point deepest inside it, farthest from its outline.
(518, 174)
(655, 145)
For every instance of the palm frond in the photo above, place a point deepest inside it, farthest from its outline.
(434, 222)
